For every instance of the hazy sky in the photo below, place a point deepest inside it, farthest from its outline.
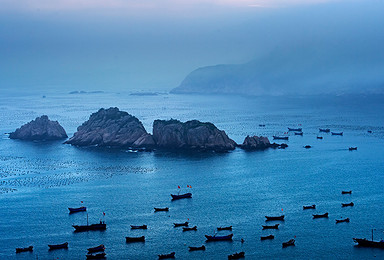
(152, 45)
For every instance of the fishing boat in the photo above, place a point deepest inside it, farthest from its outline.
(196, 248)
(219, 238)
(369, 131)
(58, 246)
(280, 137)
(139, 227)
(342, 220)
(351, 204)
(352, 148)
(363, 242)
(96, 256)
(224, 228)
(237, 255)
(325, 130)
(325, 215)
(275, 218)
(74, 210)
(295, 129)
(171, 255)
(298, 133)
(289, 243)
(307, 146)
(161, 209)
(92, 227)
(190, 228)
(337, 133)
(319, 137)
(276, 226)
(24, 249)
(135, 239)
(185, 224)
(267, 237)
(181, 196)
(310, 207)
(96, 249)
(261, 125)
(346, 192)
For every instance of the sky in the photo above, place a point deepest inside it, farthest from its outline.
(151, 45)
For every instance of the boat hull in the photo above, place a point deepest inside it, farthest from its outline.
(92, 227)
(219, 238)
(367, 243)
(182, 196)
(135, 239)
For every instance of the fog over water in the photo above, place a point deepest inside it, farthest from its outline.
(153, 47)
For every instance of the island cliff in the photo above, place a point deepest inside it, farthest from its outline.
(40, 129)
(112, 127)
(193, 135)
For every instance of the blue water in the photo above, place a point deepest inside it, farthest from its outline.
(39, 181)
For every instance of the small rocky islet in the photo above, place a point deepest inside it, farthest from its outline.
(114, 128)
(40, 129)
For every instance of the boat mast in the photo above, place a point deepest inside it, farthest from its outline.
(372, 233)
(87, 219)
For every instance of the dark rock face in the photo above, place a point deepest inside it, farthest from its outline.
(40, 129)
(112, 127)
(255, 143)
(193, 135)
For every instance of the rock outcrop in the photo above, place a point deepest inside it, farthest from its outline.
(40, 129)
(114, 128)
(255, 143)
(191, 135)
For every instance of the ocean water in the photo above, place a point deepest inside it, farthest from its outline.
(39, 181)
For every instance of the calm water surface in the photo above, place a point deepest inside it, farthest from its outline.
(39, 181)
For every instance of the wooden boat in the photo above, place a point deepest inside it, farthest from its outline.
(135, 239)
(325, 130)
(289, 243)
(267, 237)
(337, 133)
(161, 209)
(74, 210)
(342, 220)
(369, 131)
(261, 125)
(310, 207)
(190, 228)
(280, 137)
(346, 192)
(58, 246)
(352, 148)
(92, 227)
(275, 218)
(363, 242)
(139, 227)
(196, 248)
(347, 204)
(319, 137)
(24, 249)
(185, 224)
(219, 238)
(96, 249)
(307, 146)
(237, 255)
(295, 129)
(96, 256)
(181, 196)
(298, 133)
(171, 255)
(325, 215)
(224, 228)
(276, 226)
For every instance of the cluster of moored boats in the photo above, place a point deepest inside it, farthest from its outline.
(299, 131)
(98, 252)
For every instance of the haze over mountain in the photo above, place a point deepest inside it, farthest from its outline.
(280, 46)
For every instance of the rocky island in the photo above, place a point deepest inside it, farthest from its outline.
(114, 128)
(191, 135)
(40, 129)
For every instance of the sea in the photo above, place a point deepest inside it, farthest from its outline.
(40, 180)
